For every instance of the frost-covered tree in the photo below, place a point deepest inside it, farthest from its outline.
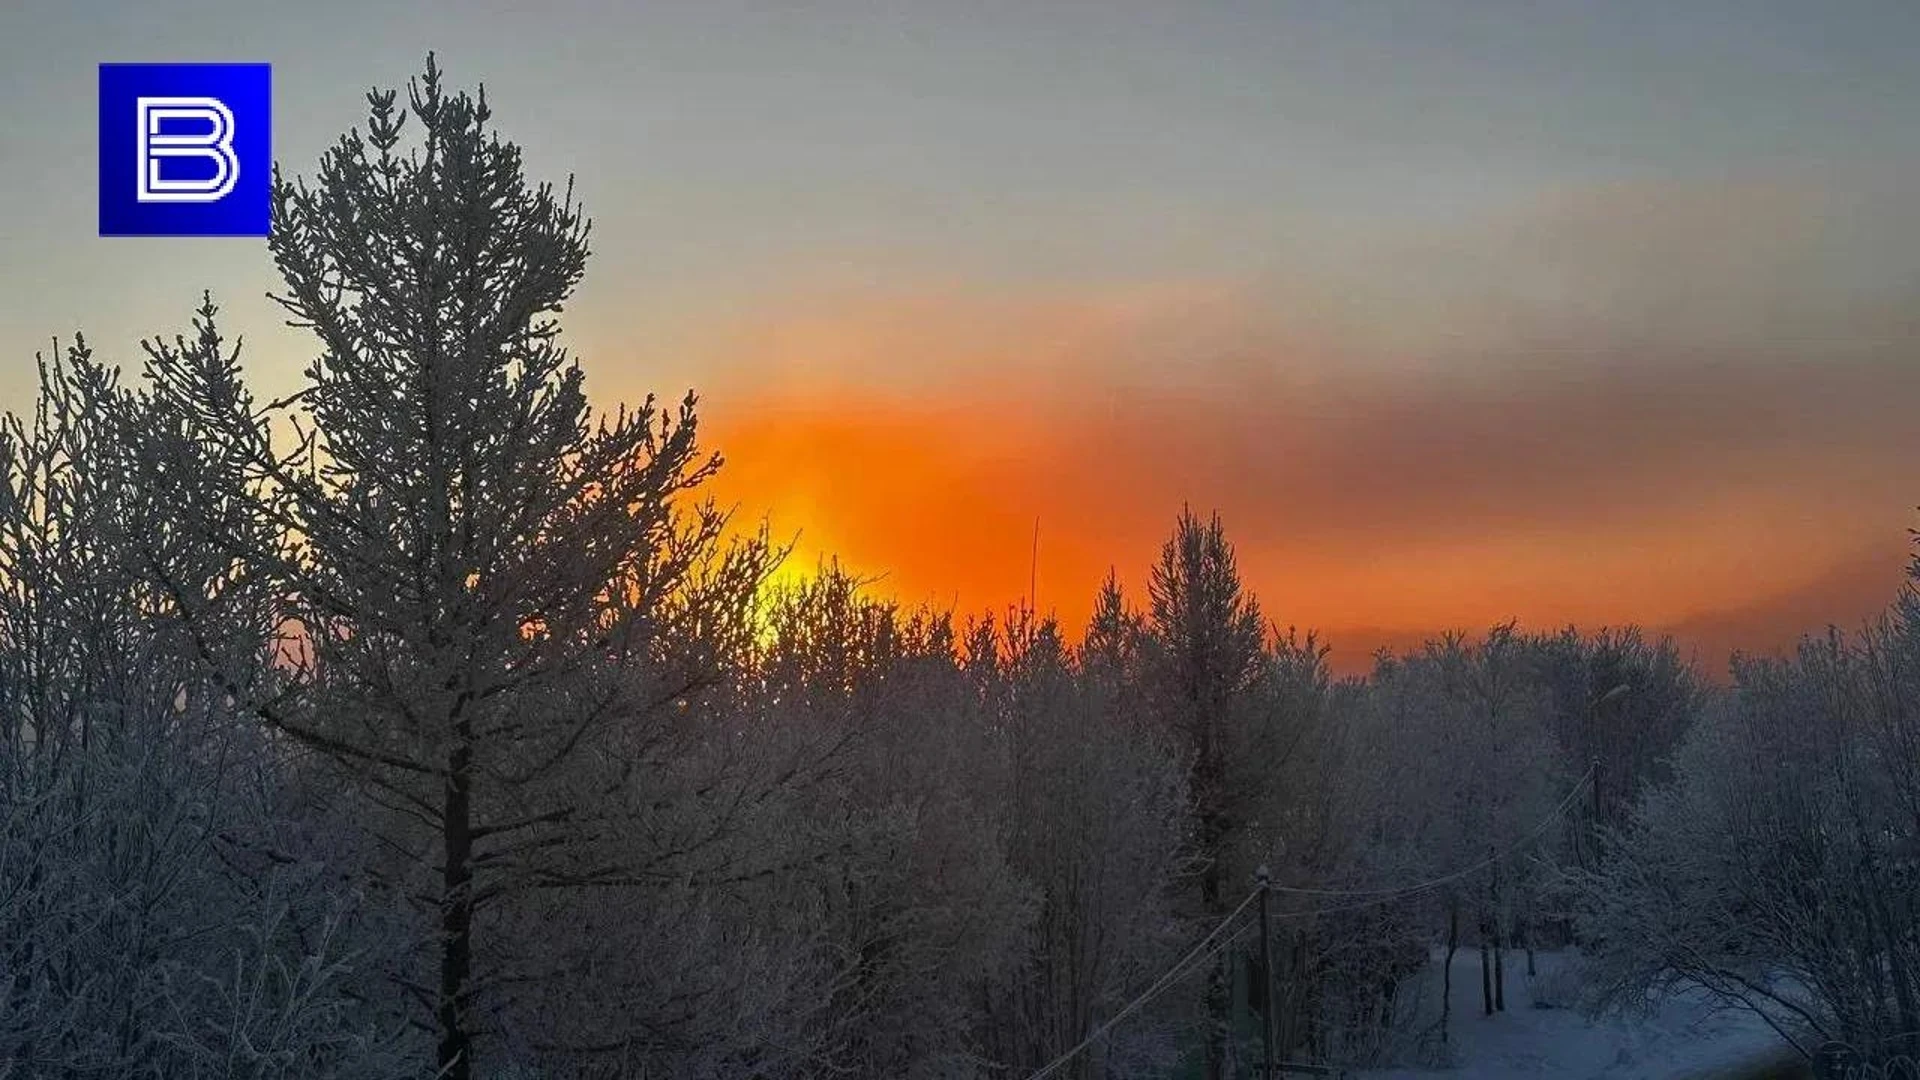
(920, 918)
(1471, 738)
(1505, 752)
(1350, 819)
(1094, 817)
(1780, 866)
(1620, 704)
(1239, 709)
(144, 931)
(487, 581)
(1204, 641)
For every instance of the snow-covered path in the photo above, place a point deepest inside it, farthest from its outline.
(1685, 1039)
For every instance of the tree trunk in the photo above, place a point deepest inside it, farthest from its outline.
(1526, 937)
(1290, 1004)
(1486, 973)
(1213, 828)
(456, 911)
(1219, 975)
(1219, 1002)
(1494, 926)
(1499, 974)
(1891, 944)
(1446, 969)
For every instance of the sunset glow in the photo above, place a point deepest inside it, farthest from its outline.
(1376, 504)
(1455, 312)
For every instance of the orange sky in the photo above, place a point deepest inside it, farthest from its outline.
(1589, 315)
(1733, 465)
(1454, 311)
(943, 500)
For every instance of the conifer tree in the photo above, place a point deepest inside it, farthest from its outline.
(1207, 639)
(484, 579)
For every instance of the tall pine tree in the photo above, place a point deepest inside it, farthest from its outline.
(1207, 637)
(480, 575)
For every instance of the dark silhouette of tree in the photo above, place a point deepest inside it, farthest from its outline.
(482, 573)
(1206, 637)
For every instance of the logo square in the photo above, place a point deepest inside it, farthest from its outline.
(185, 149)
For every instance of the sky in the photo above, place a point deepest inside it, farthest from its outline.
(1455, 312)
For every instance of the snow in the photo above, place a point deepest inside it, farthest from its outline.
(1685, 1037)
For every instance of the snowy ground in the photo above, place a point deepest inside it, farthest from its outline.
(1685, 1039)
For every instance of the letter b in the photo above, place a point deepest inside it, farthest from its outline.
(185, 149)
(156, 146)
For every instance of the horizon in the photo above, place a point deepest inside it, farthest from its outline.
(1455, 313)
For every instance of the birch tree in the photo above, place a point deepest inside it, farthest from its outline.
(140, 933)
(1094, 816)
(1780, 868)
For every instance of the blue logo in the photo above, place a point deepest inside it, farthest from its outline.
(185, 149)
